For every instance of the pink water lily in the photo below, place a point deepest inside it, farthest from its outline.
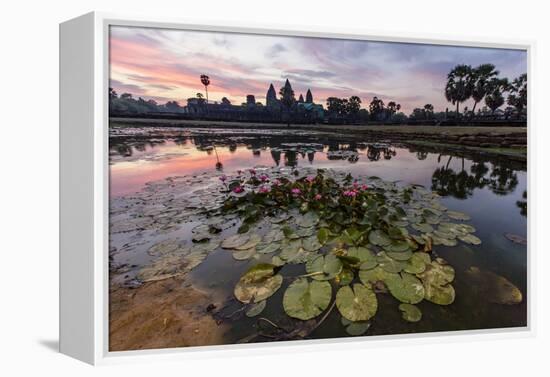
(318, 197)
(350, 193)
(296, 191)
(263, 189)
(310, 178)
(264, 177)
(276, 182)
(364, 187)
(238, 189)
(252, 171)
(223, 178)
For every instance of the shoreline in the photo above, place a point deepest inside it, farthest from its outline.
(503, 141)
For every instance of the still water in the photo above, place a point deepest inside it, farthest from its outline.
(492, 190)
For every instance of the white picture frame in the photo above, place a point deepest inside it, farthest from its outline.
(84, 180)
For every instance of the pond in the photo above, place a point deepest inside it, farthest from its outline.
(166, 183)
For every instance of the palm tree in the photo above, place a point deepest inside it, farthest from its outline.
(429, 110)
(518, 93)
(494, 98)
(205, 81)
(459, 85)
(481, 77)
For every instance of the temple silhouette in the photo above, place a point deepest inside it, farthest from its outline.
(274, 110)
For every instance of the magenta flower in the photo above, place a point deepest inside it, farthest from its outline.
(223, 178)
(263, 190)
(252, 171)
(238, 189)
(350, 193)
(355, 185)
(364, 187)
(310, 178)
(239, 172)
(264, 177)
(296, 191)
(318, 197)
(276, 182)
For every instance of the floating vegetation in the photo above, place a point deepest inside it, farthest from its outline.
(515, 238)
(355, 237)
(497, 289)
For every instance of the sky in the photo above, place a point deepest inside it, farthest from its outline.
(165, 65)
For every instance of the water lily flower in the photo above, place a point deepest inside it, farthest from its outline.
(318, 197)
(252, 171)
(264, 177)
(310, 178)
(238, 189)
(364, 187)
(350, 193)
(263, 190)
(296, 191)
(239, 172)
(276, 182)
(223, 178)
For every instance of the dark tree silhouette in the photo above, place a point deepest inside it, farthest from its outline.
(481, 82)
(518, 93)
(459, 85)
(205, 80)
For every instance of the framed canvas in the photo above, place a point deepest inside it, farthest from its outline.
(230, 188)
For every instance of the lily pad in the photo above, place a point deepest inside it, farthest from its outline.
(389, 264)
(455, 215)
(252, 242)
(324, 267)
(306, 300)
(470, 239)
(311, 243)
(410, 313)
(379, 238)
(516, 238)
(417, 263)
(357, 304)
(371, 276)
(244, 254)
(163, 268)
(268, 248)
(309, 220)
(235, 241)
(436, 280)
(164, 247)
(258, 283)
(355, 328)
(345, 277)
(255, 309)
(367, 259)
(323, 235)
(407, 289)
(400, 256)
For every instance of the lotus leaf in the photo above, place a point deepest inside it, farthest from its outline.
(379, 238)
(255, 309)
(306, 300)
(455, 215)
(235, 241)
(355, 328)
(410, 313)
(258, 283)
(357, 304)
(324, 267)
(406, 289)
(470, 239)
(388, 264)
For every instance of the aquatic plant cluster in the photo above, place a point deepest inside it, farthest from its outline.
(356, 238)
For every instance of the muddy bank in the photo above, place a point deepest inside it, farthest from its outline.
(161, 314)
(472, 136)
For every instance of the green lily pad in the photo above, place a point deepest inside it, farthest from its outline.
(277, 261)
(324, 267)
(407, 289)
(357, 304)
(164, 247)
(371, 276)
(244, 254)
(274, 235)
(258, 283)
(311, 243)
(309, 220)
(379, 238)
(470, 239)
(410, 312)
(235, 241)
(323, 235)
(268, 248)
(389, 264)
(345, 277)
(252, 242)
(436, 280)
(255, 309)
(455, 215)
(401, 256)
(355, 328)
(306, 300)
(417, 263)
(367, 259)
